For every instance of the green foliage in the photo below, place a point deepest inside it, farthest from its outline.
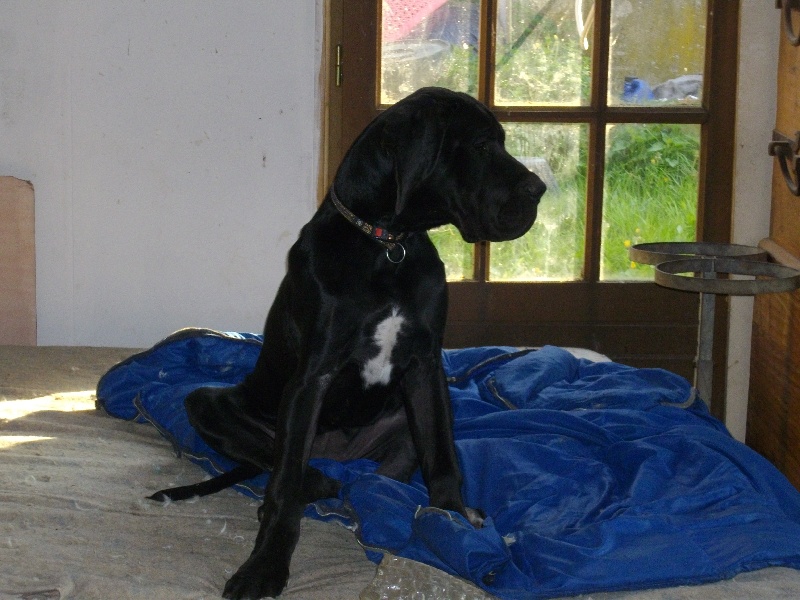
(549, 68)
(658, 154)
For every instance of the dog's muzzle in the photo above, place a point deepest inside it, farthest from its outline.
(517, 216)
(513, 216)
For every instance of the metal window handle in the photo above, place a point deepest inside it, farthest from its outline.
(788, 6)
(786, 151)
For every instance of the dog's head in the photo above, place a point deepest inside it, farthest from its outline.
(450, 165)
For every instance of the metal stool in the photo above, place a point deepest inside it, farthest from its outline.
(694, 266)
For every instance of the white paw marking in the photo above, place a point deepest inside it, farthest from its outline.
(379, 368)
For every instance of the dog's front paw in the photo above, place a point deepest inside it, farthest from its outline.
(248, 583)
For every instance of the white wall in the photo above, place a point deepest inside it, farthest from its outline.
(755, 118)
(173, 147)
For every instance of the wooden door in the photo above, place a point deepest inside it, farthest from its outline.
(628, 318)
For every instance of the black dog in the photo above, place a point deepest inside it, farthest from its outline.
(351, 363)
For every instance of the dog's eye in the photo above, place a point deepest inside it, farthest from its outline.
(481, 146)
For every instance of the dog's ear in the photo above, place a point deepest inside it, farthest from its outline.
(413, 137)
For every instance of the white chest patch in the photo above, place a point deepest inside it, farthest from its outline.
(379, 368)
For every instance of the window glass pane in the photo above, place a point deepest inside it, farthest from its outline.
(424, 43)
(657, 51)
(456, 254)
(541, 57)
(553, 249)
(650, 192)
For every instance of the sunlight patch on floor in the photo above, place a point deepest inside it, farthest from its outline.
(61, 402)
(8, 441)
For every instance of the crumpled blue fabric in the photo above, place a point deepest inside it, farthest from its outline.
(593, 476)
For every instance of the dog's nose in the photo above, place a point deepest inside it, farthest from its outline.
(532, 187)
(536, 187)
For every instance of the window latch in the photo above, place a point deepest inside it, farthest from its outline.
(788, 6)
(786, 151)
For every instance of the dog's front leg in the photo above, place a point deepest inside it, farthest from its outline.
(266, 571)
(430, 417)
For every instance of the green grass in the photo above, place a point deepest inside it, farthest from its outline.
(650, 192)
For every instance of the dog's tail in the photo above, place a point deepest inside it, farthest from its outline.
(210, 486)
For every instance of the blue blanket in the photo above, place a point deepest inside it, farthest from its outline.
(594, 476)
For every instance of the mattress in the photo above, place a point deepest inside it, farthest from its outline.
(595, 477)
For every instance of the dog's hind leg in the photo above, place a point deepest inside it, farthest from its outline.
(223, 417)
(220, 417)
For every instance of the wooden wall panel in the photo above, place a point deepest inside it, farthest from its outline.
(773, 412)
(17, 263)
(785, 219)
